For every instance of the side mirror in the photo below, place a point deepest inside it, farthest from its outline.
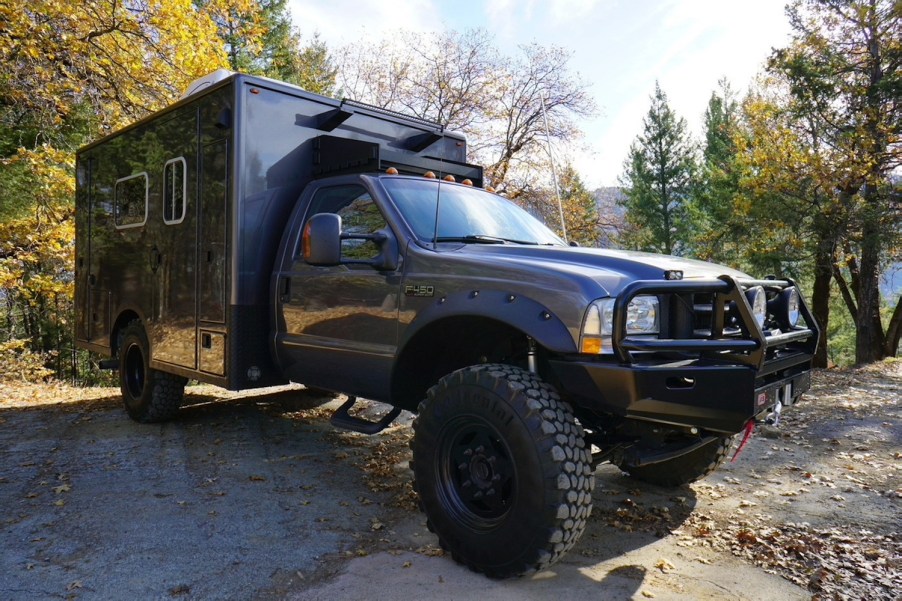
(321, 242)
(387, 260)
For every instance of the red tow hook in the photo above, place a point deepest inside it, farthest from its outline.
(749, 428)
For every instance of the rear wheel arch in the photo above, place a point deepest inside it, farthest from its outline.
(125, 318)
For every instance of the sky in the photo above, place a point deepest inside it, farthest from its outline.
(619, 48)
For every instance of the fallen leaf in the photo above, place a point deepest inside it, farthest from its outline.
(665, 566)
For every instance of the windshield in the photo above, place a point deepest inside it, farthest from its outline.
(468, 215)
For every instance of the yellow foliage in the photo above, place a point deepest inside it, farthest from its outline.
(122, 58)
(19, 363)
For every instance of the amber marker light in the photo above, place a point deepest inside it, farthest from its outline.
(591, 345)
(429, 175)
(467, 182)
(449, 178)
(391, 171)
(490, 189)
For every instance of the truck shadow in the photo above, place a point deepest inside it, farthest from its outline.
(627, 514)
(276, 449)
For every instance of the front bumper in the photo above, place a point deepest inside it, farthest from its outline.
(712, 368)
(689, 393)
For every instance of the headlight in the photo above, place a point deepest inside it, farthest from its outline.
(786, 308)
(758, 300)
(598, 325)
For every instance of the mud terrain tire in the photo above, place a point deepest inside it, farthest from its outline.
(502, 470)
(149, 395)
(686, 468)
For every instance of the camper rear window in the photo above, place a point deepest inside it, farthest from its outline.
(174, 185)
(130, 206)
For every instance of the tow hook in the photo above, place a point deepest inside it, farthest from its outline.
(749, 428)
(773, 418)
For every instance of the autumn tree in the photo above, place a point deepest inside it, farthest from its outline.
(792, 222)
(842, 71)
(579, 207)
(463, 82)
(68, 73)
(658, 177)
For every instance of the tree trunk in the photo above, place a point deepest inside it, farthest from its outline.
(820, 297)
(869, 336)
(894, 331)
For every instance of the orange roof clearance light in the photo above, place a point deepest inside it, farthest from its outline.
(449, 178)
(490, 189)
(429, 175)
(391, 171)
(467, 182)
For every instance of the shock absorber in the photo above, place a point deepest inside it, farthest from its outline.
(531, 355)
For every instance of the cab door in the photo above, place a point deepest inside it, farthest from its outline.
(341, 322)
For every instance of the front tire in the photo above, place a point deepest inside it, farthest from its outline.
(149, 395)
(501, 469)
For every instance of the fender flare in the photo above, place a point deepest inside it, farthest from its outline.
(519, 312)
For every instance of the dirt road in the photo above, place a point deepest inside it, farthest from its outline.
(255, 496)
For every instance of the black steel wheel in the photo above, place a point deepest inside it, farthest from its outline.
(149, 395)
(685, 468)
(501, 469)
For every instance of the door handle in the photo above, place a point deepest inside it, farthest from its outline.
(155, 258)
(285, 290)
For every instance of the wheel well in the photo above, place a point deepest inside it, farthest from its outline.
(448, 345)
(125, 318)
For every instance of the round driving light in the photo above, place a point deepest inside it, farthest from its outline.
(758, 300)
(791, 298)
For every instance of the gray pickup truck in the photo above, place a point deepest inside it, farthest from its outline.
(254, 234)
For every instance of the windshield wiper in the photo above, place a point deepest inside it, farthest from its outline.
(482, 239)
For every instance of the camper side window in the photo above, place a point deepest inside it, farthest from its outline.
(130, 205)
(174, 191)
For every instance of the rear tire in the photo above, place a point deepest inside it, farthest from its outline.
(502, 470)
(149, 395)
(686, 468)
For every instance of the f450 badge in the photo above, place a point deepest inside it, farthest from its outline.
(419, 290)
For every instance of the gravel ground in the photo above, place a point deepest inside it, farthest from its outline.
(256, 496)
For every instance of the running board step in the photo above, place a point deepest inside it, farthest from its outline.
(342, 419)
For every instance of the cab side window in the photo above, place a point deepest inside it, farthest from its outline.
(359, 215)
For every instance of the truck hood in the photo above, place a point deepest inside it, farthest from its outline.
(611, 269)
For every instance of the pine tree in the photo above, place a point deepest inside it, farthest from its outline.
(658, 178)
(718, 184)
(260, 39)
